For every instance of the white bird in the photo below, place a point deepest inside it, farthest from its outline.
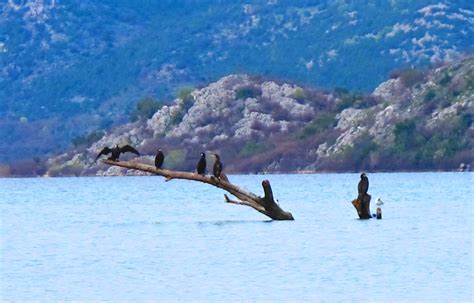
(379, 202)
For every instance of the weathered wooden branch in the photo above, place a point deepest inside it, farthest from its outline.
(265, 205)
(362, 205)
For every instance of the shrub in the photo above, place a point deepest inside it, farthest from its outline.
(175, 158)
(368, 101)
(252, 148)
(429, 95)
(469, 84)
(145, 109)
(361, 151)
(177, 117)
(409, 76)
(185, 95)
(248, 91)
(187, 102)
(275, 109)
(405, 135)
(299, 94)
(464, 122)
(341, 91)
(445, 79)
(353, 99)
(185, 92)
(322, 122)
(88, 139)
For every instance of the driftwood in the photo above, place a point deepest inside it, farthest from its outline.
(265, 205)
(362, 205)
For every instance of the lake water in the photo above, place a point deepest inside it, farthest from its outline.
(140, 238)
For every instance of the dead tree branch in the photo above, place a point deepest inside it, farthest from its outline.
(265, 205)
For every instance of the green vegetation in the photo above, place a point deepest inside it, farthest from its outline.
(248, 91)
(184, 93)
(469, 85)
(358, 155)
(429, 95)
(418, 146)
(319, 124)
(409, 77)
(87, 139)
(175, 158)
(406, 137)
(299, 94)
(463, 122)
(346, 99)
(145, 109)
(177, 117)
(251, 148)
(91, 58)
(352, 99)
(187, 101)
(445, 79)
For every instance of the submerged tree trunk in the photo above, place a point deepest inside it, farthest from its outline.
(265, 205)
(362, 205)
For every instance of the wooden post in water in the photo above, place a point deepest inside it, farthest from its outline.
(379, 213)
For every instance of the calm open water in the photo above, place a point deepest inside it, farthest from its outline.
(140, 238)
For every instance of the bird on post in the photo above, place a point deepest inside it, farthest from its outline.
(363, 186)
(379, 202)
(217, 166)
(159, 158)
(116, 151)
(201, 166)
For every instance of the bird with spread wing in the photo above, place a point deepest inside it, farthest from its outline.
(116, 151)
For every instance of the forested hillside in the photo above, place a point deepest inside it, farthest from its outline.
(68, 68)
(417, 120)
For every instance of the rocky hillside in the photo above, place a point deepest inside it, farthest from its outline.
(71, 67)
(418, 120)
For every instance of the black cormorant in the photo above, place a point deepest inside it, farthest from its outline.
(201, 166)
(116, 151)
(363, 186)
(160, 157)
(217, 166)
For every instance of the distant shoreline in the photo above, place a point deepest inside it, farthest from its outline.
(255, 174)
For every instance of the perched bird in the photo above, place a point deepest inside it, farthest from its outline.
(116, 151)
(379, 202)
(201, 166)
(363, 186)
(159, 158)
(217, 166)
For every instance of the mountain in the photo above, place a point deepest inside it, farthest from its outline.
(71, 67)
(418, 120)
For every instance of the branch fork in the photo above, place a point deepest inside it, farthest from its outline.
(265, 205)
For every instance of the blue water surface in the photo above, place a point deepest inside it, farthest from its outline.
(143, 239)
